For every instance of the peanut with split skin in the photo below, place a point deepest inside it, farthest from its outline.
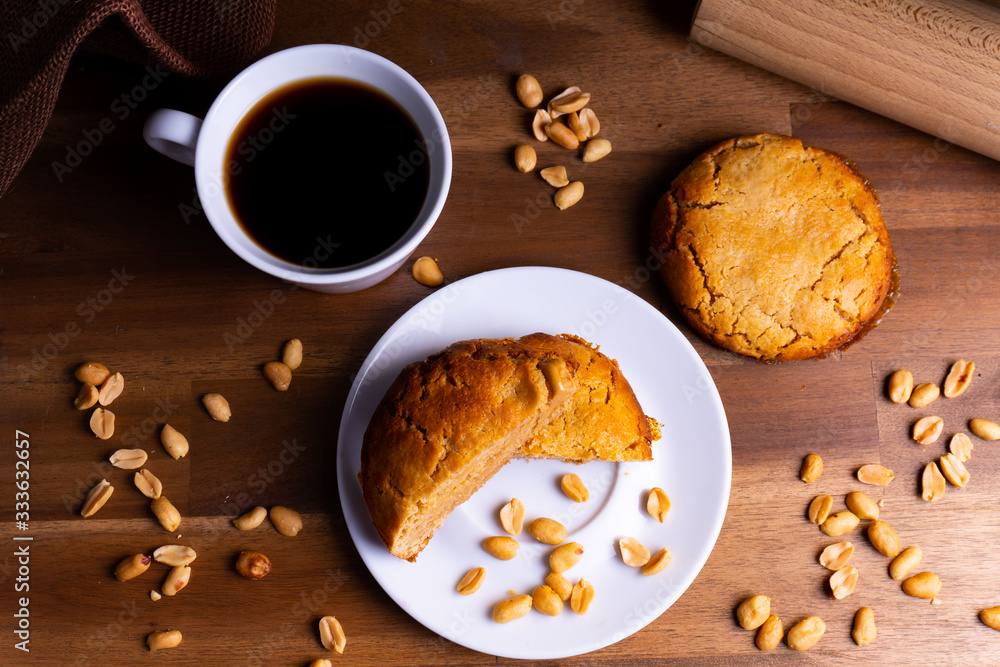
(102, 423)
(574, 488)
(954, 470)
(843, 581)
(961, 446)
(111, 389)
(633, 552)
(331, 634)
(835, 556)
(471, 582)
(512, 516)
(658, 504)
(959, 378)
(927, 430)
(657, 563)
(932, 482)
(582, 597)
(148, 484)
(96, 498)
(128, 459)
(900, 386)
(819, 509)
(87, 398)
(175, 555)
(875, 474)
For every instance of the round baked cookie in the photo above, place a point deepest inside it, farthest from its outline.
(773, 249)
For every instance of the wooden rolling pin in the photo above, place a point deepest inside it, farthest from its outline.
(932, 64)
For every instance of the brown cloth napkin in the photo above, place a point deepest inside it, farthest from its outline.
(190, 37)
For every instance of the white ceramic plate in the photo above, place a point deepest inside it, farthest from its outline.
(693, 464)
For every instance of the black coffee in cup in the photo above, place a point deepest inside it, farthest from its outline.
(326, 172)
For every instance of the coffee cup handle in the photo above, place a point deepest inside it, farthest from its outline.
(173, 133)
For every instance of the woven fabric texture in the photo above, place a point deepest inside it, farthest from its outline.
(190, 37)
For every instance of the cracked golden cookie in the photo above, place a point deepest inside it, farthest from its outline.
(773, 249)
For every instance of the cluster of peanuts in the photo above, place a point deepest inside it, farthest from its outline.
(548, 598)
(926, 430)
(580, 128)
(754, 613)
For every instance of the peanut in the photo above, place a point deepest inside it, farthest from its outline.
(589, 122)
(555, 176)
(569, 100)
(286, 521)
(502, 547)
(991, 617)
(574, 488)
(954, 470)
(657, 563)
(512, 608)
(769, 634)
(321, 662)
(217, 406)
(251, 519)
(93, 372)
(812, 468)
(291, 354)
(843, 581)
(575, 124)
(87, 398)
(128, 459)
(427, 272)
(278, 374)
(132, 567)
(924, 394)
(547, 601)
(569, 195)
(148, 484)
(904, 563)
(175, 555)
(161, 639)
(985, 429)
(540, 121)
(932, 482)
(96, 498)
(862, 506)
(102, 423)
(658, 504)
(166, 513)
(512, 516)
(173, 442)
(547, 531)
(875, 474)
(155, 596)
(111, 389)
(562, 135)
(927, 430)
(566, 556)
(633, 553)
(835, 556)
(959, 378)
(471, 582)
(253, 564)
(804, 634)
(529, 92)
(177, 579)
(753, 611)
(596, 149)
(819, 509)
(883, 538)
(582, 596)
(923, 585)
(560, 584)
(864, 631)
(331, 634)
(961, 446)
(525, 158)
(900, 386)
(839, 523)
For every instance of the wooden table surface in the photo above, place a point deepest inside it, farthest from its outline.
(101, 263)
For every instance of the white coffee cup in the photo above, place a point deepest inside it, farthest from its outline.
(203, 143)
